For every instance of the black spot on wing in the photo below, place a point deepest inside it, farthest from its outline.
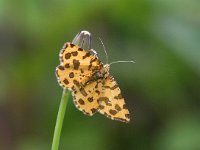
(90, 99)
(127, 116)
(66, 81)
(76, 83)
(119, 96)
(83, 92)
(67, 55)
(72, 45)
(80, 49)
(112, 112)
(117, 107)
(114, 87)
(86, 55)
(74, 53)
(61, 67)
(81, 101)
(124, 106)
(71, 74)
(67, 65)
(93, 110)
(76, 64)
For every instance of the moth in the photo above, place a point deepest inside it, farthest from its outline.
(92, 86)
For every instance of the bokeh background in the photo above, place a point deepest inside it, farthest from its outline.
(162, 89)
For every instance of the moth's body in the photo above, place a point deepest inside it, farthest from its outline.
(93, 88)
(99, 74)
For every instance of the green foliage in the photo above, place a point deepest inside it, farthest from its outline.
(161, 88)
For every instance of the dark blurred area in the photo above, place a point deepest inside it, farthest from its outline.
(162, 89)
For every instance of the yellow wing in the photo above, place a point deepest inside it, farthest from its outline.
(111, 102)
(85, 98)
(76, 66)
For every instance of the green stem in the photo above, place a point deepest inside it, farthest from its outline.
(60, 118)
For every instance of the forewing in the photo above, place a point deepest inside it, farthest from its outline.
(76, 66)
(78, 58)
(111, 102)
(70, 78)
(85, 98)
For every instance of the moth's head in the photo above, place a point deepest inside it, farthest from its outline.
(107, 67)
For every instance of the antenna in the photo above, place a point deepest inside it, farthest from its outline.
(114, 62)
(104, 51)
(129, 61)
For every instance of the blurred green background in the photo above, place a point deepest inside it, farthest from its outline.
(162, 89)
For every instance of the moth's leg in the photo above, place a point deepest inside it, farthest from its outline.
(89, 81)
(95, 76)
